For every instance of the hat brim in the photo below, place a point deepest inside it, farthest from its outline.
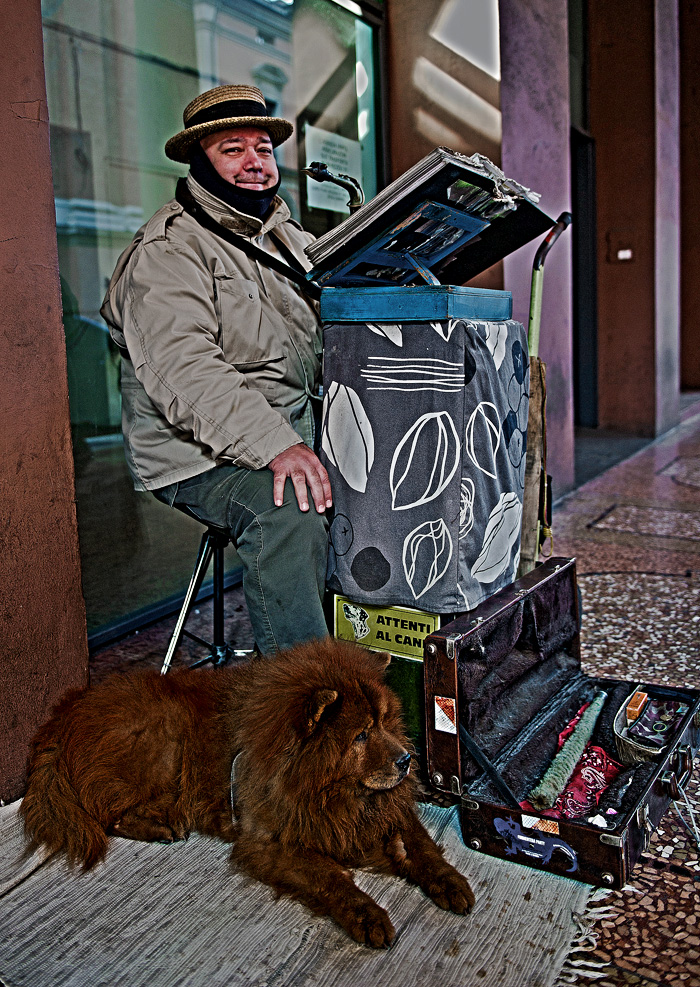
(178, 147)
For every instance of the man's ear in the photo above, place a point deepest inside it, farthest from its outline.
(319, 701)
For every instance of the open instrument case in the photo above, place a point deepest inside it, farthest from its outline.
(507, 677)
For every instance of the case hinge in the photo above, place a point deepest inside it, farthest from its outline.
(611, 840)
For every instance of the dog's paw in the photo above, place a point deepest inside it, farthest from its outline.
(452, 892)
(180, 833)
(133, 827)
(370, 925)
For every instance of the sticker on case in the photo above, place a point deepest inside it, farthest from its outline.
(445, 714)
(541, 848)
(545, 825)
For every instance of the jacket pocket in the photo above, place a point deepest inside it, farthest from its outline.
(246, 337)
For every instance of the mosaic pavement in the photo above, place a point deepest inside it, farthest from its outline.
(634, 531)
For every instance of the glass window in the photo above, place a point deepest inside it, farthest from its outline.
(119, 73)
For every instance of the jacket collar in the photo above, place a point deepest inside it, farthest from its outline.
(234, 220)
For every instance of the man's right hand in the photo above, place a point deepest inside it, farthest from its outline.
(304, 468)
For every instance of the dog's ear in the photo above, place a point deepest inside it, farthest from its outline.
(384, 658)
(319, 701)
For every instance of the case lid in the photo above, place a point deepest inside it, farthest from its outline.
(445, 220)
(419, 303)
(493, 668)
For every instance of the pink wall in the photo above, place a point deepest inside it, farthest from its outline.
(635, 124)
(689, 32)
(534, 100)
(668, 218)
(43, 638)
(535, 151)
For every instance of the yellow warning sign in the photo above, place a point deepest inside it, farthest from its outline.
(399, 630)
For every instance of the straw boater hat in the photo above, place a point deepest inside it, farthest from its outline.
(220, 109)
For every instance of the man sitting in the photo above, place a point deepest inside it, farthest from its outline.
(223, 362)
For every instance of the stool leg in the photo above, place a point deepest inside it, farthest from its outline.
(205, 551)
(219, 595)
(221, 651)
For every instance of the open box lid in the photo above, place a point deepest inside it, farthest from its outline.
(494, 667)
(445, 220)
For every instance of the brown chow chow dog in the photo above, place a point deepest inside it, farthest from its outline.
(321, 781)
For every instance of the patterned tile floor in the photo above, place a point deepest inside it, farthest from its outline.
(635, 532)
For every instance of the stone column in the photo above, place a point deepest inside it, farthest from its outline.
(689, 32)
(535, 152)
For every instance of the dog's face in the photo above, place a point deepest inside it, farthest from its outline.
(381, 761)
(321, 730)
(356, 732)
(358, 618)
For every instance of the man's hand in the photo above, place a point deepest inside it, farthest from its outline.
(304, 467)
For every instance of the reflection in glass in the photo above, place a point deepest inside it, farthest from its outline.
(119, 73)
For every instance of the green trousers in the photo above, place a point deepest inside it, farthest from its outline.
(283, 549)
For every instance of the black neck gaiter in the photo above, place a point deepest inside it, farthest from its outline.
(252, 202)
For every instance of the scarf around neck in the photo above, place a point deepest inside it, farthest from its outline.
(252, 202)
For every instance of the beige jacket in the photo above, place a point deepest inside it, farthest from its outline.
(224, 354)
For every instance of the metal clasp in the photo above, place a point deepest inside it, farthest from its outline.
(644, 823)
(611, 840)
(675, 781)
(450, 642)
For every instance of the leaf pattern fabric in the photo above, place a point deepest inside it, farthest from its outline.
(347, 438)
(423, 435)
(424, 461)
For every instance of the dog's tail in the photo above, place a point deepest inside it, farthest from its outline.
(52, 812)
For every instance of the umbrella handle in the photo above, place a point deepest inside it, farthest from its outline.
(533, 332)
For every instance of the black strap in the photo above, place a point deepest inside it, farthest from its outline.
(292, 270)
(489, 767)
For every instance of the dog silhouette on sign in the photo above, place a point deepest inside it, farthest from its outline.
(358, 617)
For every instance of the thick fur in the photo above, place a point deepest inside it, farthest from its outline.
(321, 783)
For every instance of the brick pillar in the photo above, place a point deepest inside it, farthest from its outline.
(535, 151)
(43, 641)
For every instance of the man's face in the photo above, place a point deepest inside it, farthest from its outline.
(243, 156)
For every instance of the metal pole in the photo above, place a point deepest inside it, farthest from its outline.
(205, 550)
(533, 332)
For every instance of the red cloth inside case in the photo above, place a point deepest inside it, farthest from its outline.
(592, 775)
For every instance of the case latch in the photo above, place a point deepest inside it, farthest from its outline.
(645, 826)
(611, 840)
(451, 641)
(675, 781)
